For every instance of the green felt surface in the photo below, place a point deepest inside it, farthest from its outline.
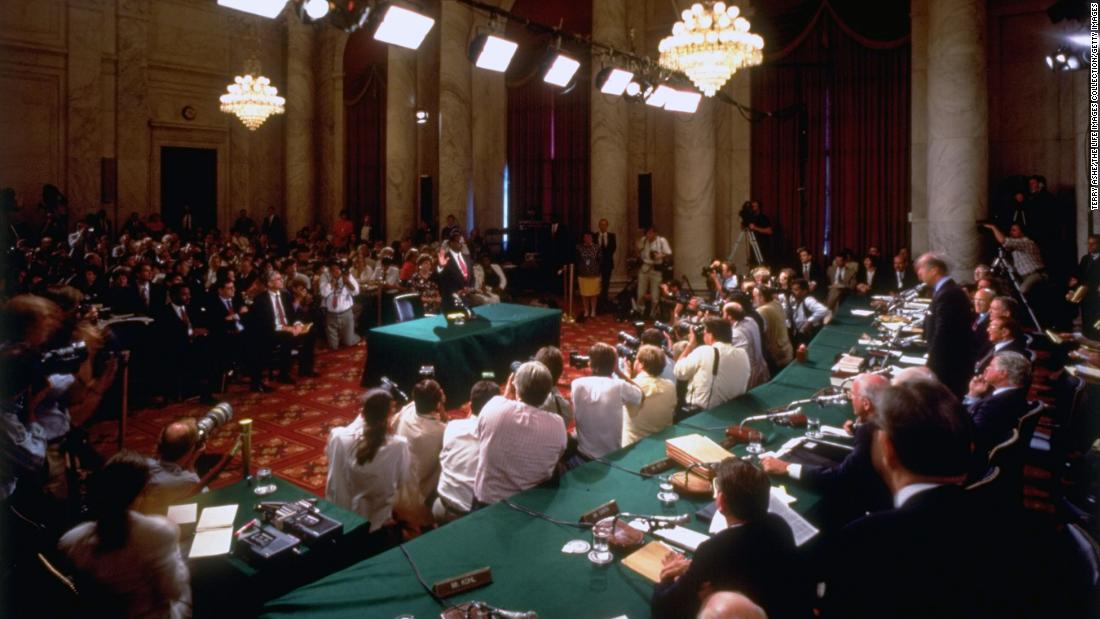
(524, 552)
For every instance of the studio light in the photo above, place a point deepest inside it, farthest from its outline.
(561, 70)
(492, 52)
(683, 101)
(1064, 59)
(316, 9)
(639, 88)
(263, 8)
(400, 26)
(660, 96)
(613, 81)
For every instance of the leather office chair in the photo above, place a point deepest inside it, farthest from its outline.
(408, 306)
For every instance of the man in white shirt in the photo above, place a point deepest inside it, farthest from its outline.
(653, 251)
(458, 458)
(520, 444)
(716, 371)
(422, 424)
(598, 402)
(658, 404)
(807, 313)
(338, 296)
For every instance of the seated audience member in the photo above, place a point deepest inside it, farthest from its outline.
(338, 294)
(755, 554)
(851, 488)
(276, 326)
(425, 283)
(556, 403)
(1004, 335)
(520, 444)
(1003, 307)
(746, 336)
(807, 313)
(172, 475)
(128, 564)
(370, 470)
(716, 371)
(730, 605)
(902, 276)
(658, 405)
(598, 402)
(458, 458)
(777, 342)
(997, 399)
(489, 281)
(842, 279)
(869, 280)
(184, 344)
(422, 423)
(983, 297)
(941, 552)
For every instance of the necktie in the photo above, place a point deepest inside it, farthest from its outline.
(462, 266)
(900, 282)
(839, 273)
(185, 319)
(806, 270)
(145, 294)
(279, 313)
(228, 305)
(335, 293)
(603, 240)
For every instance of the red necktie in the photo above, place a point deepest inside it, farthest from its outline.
(462, 266)
(279, 311)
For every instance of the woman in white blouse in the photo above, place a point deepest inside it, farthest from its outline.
(370, 470)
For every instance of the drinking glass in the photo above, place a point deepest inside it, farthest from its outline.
(755, 447)
(667, 492)
(264, 485)
(813, 427)
(601, 551)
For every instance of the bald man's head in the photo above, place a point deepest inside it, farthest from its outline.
(178, 440)
(731, 605)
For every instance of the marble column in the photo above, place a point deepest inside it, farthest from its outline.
(732, 172)
(958, 131)
(455, 140)
(330, 126)
(132, 129)
(610, 174)
(918, 140)
(401, 174)
(301, 181)
(83, 102)
(693, 191)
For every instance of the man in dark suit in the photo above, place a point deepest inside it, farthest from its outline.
(276, 326)
(901, 277)
(809, 270)
(224, 319)
(1002, 335)
(851, 488)
(1088, 275)
(606, 241)
(274, 228)
(947, 325)
(755, 555)
(983, 297)
(997, 399)
(941, 552)
(151, 297)
(182, 340)
(456, 274)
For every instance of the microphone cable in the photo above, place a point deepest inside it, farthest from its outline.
(537, 514)
(420, 577)
(613, 465)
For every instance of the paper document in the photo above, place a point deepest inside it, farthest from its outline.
(801, 528)
(183, 514)
(214, 532)
(648, 560)
(834, 431)
(863, 312)
(682, 537)
(911, 360)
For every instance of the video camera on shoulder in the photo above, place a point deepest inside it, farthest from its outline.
(65, 360)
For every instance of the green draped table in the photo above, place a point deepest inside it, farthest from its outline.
(529, 570)
(460, 352)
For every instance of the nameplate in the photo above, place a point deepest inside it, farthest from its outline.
(463, 582)
(660, 466)
(609, 508)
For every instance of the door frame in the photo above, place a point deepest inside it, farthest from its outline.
(174, 135)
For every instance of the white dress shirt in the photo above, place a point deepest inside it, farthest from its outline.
(658, 244)
(598, 410)
(705, 389)
(276, 303)
(519, 446)
(902, 497)
(458, 463)
(425, 436)
(368, 489)
(341, 297)
(809, 310)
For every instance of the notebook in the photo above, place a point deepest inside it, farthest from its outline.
(648, 560)
(214, 532)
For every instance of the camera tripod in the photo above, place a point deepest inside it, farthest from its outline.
(754, 247)
(1004, 268)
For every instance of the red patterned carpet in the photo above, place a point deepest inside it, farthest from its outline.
(291, 424)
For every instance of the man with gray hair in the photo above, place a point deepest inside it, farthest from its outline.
(730, 605)
(997, 399)
(851, 488)
(913, 373)
(947, 325)
(520, 444)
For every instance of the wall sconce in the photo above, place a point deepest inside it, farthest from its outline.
(421, 117)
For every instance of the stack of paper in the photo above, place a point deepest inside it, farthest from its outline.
(696, 449)
(778, 504)
(214, 532)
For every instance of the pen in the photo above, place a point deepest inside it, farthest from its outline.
(246, 526)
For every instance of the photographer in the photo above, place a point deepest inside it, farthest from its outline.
(715, 370)
(1026, 257)
(598, 402)
(653, 250)
(658, 405)
(338, 297)
(556, 403)
(746, 336)
(22, 438)
(754, 220)
(807, 313)
(172, 475)
(723, 278)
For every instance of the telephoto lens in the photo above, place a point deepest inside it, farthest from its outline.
(214, 419)
(629, 339)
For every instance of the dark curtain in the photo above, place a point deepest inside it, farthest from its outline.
(828, 79)
(365, 160)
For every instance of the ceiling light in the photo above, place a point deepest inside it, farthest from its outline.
(403, 27)
(639, 88)
(710, 44)
(492, 52)
(660, 96)
(683, 101)
(613, 81)
(1064, 59)
(316, 9)
(421, 117)
(561, 71)
(263, 8)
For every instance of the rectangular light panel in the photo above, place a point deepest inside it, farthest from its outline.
(497, 54)
(561, 71)
(616, 82)
(263, 8)
(684, 101)
(660, 96)
(403, 27)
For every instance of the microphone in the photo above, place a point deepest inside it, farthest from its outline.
(499, 613)
(658, 521)
(777, 415)
(835, 398)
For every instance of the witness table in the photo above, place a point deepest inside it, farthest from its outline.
(460, 353)
(227, 584)
(529, 570)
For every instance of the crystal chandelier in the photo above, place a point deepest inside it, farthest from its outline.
(710, 44)
(251, 97)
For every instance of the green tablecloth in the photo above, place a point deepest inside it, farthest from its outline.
(524, 552)
(221, 584)
(460, 353)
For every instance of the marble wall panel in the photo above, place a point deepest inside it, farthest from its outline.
(693, 200)
(401, 177)
(454, 122)
(609, 135)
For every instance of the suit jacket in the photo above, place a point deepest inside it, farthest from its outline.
(172, 330)
(1017, 345)
(847, 276)
(274, 229)
(946, 326)
(979, 336)
(451, 279)
(816, 274)
(756, 558)
(890, 280)
(262, 323)
(853, 487)
(1088, 271)
(943, 554)
(607, 254)
(994, 417)
(158, 298)
(880, 283)
(216, 313)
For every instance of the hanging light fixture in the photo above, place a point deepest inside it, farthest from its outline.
(251, 97)
(710, 44)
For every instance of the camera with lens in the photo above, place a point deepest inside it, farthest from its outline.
(66, 360)
(688, 326)
(578, 361)
(683, 297)
(629, 340)
(626, 352)
(664, 327)
(711, 308)
(214, 419)
(394, 391)
(427, 371)
(746, 214)
(514, 366)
